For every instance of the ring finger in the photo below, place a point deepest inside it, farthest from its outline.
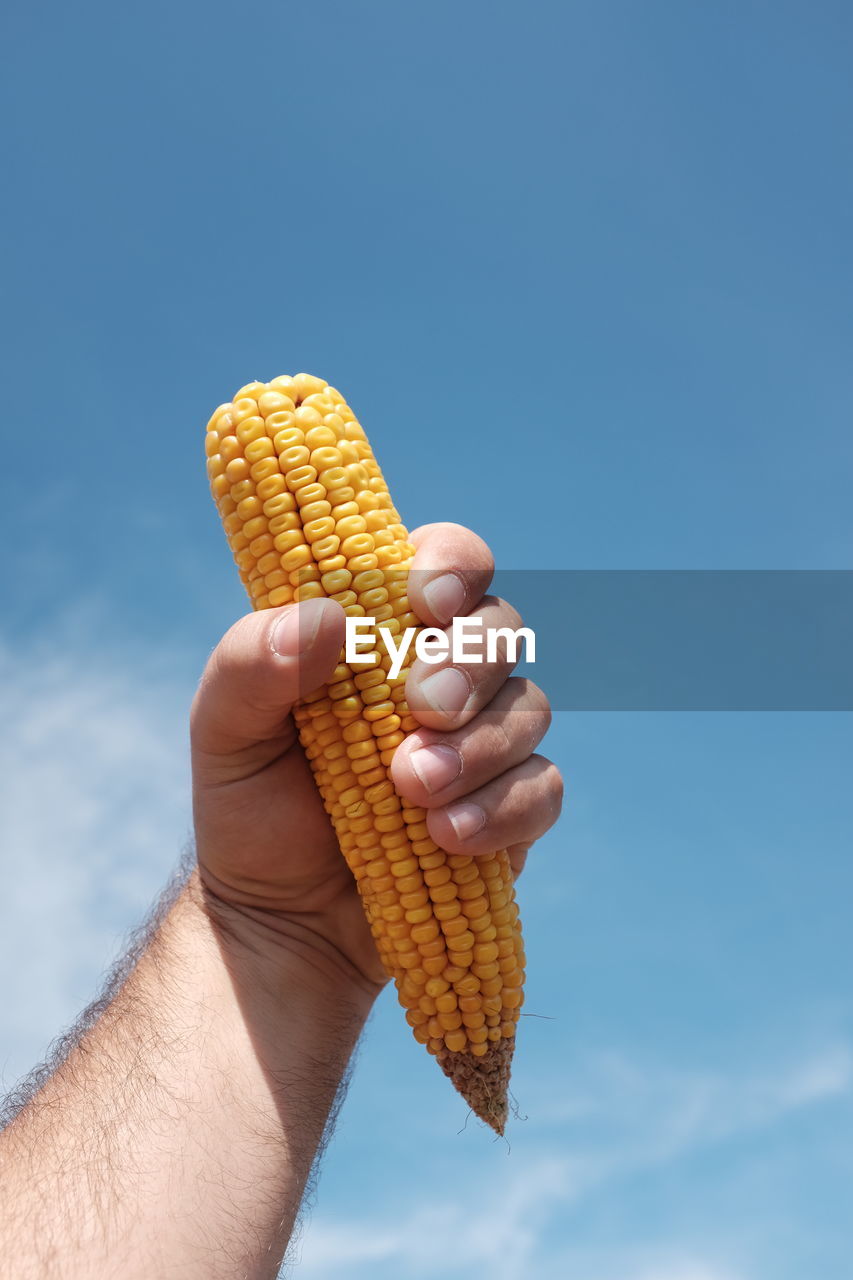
(516, 808)
(432, 768)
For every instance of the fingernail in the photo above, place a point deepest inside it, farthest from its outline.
(445, 596)
(297, 628)
(436, 766)
(466, 819)
(446, 692)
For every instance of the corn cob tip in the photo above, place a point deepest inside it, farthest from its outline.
(483, 1082)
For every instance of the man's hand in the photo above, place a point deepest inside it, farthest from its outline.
(265, 845)
(178, 1134)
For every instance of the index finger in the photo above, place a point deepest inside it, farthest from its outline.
(450, 573)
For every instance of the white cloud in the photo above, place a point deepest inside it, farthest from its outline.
(828, 1075)
(625, 1120)
(496, 1228)
(494, 1225)
(94, 797)
(673, 1268)
(650, 1113)
(684, 1270)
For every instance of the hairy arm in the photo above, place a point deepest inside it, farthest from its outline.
(177, 1136)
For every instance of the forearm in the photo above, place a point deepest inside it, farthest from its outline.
(201, 1094)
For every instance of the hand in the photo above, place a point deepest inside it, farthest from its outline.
(266, 848)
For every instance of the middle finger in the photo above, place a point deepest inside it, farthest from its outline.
(448, 694)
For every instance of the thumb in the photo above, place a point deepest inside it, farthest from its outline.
(258, 670)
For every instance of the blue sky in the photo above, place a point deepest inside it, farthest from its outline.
(583, 270)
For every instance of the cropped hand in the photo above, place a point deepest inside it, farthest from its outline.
(266, 848)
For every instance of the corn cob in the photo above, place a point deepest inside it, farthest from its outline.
(307, 513)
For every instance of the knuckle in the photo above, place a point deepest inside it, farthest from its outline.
(529, 712)
(543, 704)
(508, 615)
(498, 742)
(478, 553)
(446, 544)
(556, 789)
(241, 660)
(540, 706)
(441, 830)
(217, 670)
(195, 708)
(225, 659)
(550, 782)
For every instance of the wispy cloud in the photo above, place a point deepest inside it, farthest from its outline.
(672, 1269)
(94, 797)
(627, 1120)
(495, 1230)
(494, 1226)
(651, 1113)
